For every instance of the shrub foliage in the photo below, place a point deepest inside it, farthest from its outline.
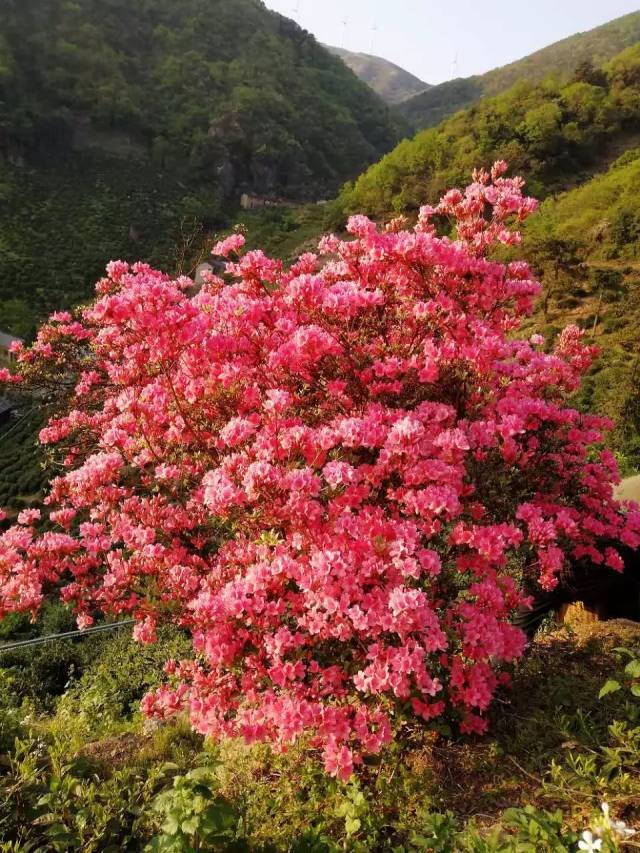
(333, 476)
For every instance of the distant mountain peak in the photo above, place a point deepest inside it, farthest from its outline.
(393, 83)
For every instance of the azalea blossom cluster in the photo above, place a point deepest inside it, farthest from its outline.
(334, 476)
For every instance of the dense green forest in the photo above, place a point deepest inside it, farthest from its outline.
(560, 60)
(224, 87)
(127, 127)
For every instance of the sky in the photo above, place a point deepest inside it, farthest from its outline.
(440, 39)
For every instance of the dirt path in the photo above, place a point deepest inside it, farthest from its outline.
(629, 489)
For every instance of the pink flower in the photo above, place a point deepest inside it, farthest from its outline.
(145, 632)
(9, 378)
(338, 762)
(228, 246)
(28, 516)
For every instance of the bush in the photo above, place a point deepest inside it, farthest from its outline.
(106, 697)
(335, 477)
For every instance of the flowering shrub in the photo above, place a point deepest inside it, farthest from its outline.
(333, 476)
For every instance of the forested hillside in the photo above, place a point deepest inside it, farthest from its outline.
(392, 83)
(124, 123)
(560, 60)
(224, 86)
(554, 135)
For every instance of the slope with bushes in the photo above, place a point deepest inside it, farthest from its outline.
(561, 60)
(585, 245)
(552, 134)
(81, 772)
(603, 213)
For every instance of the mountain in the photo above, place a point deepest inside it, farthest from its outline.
(126, 125)
(391, 82)
(561, 59)
(234, 88)
(555, 135)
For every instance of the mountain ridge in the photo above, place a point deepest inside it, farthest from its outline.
(562, 58)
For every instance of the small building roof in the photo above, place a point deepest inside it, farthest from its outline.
(6, 339)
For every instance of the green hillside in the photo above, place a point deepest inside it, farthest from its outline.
(554, 135)
(561, 60)
(237, 91)
(603, 214)
(128, 125)
(392, 83)
(585, 245)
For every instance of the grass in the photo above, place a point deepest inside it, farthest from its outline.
(549, 718)
(551, 712)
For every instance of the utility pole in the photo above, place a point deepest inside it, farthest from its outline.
(374, 30)
(345, 24)
(454, 67)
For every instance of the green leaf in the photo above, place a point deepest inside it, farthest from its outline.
(622, 651)
(610, 687)
(171, 825)
(633, 668)
(352, 825)
(635, 690)
(189, 826)
(223, 815)
(201, 774)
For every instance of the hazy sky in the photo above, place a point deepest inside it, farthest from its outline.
(426, 36)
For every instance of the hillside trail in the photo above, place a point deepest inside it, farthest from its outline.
(614, 264)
